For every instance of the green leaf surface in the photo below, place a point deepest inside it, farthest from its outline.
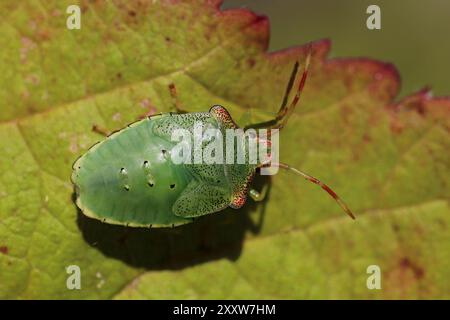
(389, 160)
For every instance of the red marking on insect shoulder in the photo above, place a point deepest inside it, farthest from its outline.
(4, 249)
(221, 114)
(238, 202)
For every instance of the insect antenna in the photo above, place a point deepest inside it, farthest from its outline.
(333, 194)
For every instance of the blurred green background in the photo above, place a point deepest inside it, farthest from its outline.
(414, 34)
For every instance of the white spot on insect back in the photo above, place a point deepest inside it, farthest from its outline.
(378, 76)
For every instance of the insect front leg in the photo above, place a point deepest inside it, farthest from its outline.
(259, 196)
(176, 104)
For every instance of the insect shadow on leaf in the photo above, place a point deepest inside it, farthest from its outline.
(210, 238)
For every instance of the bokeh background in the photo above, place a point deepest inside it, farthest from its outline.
(414, 34)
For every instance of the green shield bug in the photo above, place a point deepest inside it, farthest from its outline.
(130, 177)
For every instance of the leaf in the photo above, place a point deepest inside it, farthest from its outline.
(388, 160)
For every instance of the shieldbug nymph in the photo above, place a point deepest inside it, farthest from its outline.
(130, 179)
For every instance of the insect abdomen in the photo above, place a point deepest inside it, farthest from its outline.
(129, 179)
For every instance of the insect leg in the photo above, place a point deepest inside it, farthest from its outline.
(333, 194)
(286, 110)
(176, 101)
(258, 196)
(100, 130)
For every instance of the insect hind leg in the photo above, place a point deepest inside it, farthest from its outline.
(286, 110)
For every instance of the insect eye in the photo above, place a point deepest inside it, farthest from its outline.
(172, 186)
